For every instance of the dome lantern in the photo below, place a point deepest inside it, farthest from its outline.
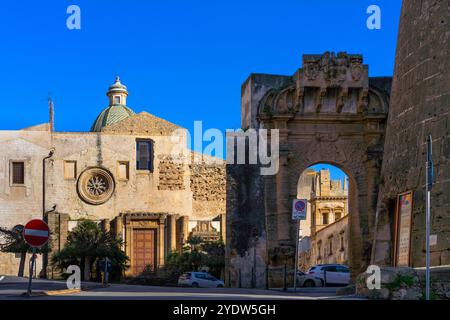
(117, 93)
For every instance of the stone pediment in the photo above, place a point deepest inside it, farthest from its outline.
(329, 83)
(142, 124)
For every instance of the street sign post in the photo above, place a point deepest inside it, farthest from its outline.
(429, 182)
(106, 266)
(36, 234)
(298, 213)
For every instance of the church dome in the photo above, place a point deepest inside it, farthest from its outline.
(117, 109)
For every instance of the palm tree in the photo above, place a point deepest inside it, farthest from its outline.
(86, 244)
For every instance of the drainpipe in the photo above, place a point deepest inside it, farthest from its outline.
(44, 213)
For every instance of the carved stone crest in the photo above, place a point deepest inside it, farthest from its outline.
(312, 70)
(335, 68)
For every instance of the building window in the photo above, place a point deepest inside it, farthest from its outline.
(337, 215)
(123, 170)
(117, 100)
(144, 155)
(342, 241)
(319, 249)
(325, 217)
(70, 170)
(330, 246)
(18, 173)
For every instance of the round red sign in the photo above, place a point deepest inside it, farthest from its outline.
(300, 205)
(36, 233)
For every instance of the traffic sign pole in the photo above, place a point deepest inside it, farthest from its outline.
(298, 213)
(296, 254)
(429, 186)
(30, 276)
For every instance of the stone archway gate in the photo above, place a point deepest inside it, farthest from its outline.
(328, 111)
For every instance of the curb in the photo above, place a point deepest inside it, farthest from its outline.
(61, 292)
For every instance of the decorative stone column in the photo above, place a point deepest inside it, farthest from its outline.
(183, 227)
(161, 249)
(172, 232)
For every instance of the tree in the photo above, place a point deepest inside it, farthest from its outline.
(86, 245)
(11, 241)
(197, 255)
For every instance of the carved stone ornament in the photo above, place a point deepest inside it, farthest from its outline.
(356, 71)
(335, 68)
(312, 70)
(95, 186)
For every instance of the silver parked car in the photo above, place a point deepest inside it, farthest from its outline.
(331, 274)
(199, 280)
(306, 280)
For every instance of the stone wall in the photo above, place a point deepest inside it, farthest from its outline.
(406, 284)
(246, 254)
(208, 186)
(419, 107)
(19, 204)
(171, 174)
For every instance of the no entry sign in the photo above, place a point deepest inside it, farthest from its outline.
(36, 233)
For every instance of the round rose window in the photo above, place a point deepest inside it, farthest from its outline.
(96, 186)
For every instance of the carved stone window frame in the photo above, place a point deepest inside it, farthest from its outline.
(105, 178)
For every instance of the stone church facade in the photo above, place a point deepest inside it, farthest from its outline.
(124, 174)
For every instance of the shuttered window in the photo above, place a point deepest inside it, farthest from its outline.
(18, 173)
(144, 155)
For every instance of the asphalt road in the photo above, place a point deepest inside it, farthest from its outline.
(11, 288)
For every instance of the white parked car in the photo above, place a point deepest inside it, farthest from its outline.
(199, 280)
(331, 274)
(307, 280)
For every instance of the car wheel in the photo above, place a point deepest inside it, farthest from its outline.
(309, 284)
(194, 285)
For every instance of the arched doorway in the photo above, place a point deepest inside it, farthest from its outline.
(324, 234)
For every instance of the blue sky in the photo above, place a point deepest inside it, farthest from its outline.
(181, 60)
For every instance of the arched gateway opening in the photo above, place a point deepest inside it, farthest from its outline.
(328, 111)
(323, 235)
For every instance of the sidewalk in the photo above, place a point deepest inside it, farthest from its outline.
(16, 286)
